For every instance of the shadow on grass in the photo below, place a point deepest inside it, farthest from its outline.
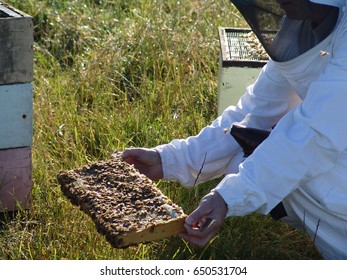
(252, 237)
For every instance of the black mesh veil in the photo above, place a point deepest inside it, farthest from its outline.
(264, 17)
(298, 32)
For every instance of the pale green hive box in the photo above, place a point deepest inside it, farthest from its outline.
(16, 115)
(240, 63)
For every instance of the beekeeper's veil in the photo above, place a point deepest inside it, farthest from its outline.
(295, 36)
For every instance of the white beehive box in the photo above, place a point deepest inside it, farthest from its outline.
(240, 63)
(16, 111)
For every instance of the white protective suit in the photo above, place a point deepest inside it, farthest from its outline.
(303, 162)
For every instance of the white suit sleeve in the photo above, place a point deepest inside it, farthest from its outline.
(212, 148)
(304, 144)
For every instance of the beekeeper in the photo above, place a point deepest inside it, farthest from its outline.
(299, 173)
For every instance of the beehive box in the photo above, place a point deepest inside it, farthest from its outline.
(16, 108)
(15, 179)
(16, 46)
(241, 59)
(16, 115)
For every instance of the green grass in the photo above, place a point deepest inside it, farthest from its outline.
(115, 74)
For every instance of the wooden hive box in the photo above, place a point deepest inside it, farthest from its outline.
(16, 111)
(16, 115)
(16, 46)
(239, 64)
(15, 179)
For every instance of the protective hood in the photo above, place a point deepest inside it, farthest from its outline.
(335, 3)
(285, 34)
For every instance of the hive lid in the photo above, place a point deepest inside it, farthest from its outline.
(7, 11)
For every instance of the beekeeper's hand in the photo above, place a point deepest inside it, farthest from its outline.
(147, 161)
(204, 222)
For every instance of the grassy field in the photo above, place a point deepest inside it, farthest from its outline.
(120, 73)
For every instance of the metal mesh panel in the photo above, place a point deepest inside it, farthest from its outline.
(240, 47)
